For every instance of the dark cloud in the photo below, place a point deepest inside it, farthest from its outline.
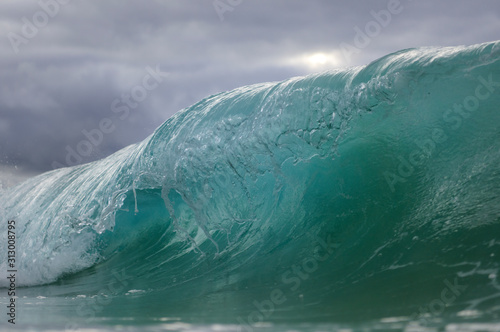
(64, 77)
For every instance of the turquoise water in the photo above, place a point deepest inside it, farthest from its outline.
(362, 199)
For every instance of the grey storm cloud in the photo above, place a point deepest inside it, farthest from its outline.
(63, 63)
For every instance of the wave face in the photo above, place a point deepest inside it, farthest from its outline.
(359, 193)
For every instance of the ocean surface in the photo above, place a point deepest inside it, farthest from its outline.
(360, 199)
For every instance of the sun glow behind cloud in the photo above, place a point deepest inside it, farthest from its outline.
(319, 60)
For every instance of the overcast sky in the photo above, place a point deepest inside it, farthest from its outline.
(70, 67)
